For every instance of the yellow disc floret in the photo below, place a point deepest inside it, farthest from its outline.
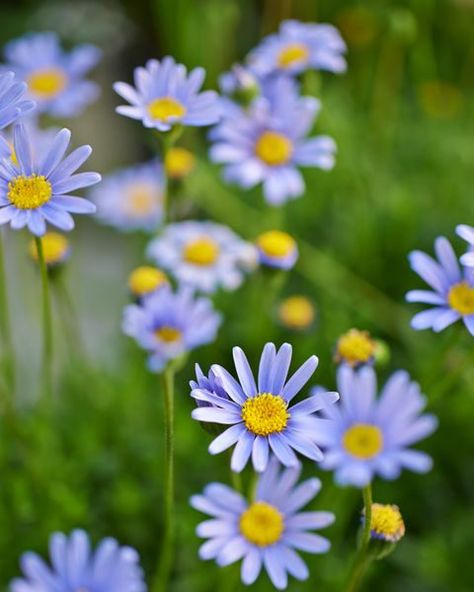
(202, 251)
(265, 414)
(386, 522)
(262, 524)
(166, 108)
(273, 148)
(292, 54)
(47, 83)
(168, 334)
(355, 347)
(179, 162)
(296, 312)
(276, 243)
(363, 440)
(29, 192)
(461, 298)
(146, 279)
(55, 248)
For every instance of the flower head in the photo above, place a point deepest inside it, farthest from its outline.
(38, 188)
(296, 313)
(13, 105)
(277, 249)
(165, 95)
(204, 255)
(55, 78)
(146, 279)
(56, 249)
(267, 531)
(386, 523)
(168, 324)
(76, 566)
(179, 162)
(467, 233)
(365, 436)
(132, 198)
(355, 347)
(452, 294)
(260, 415)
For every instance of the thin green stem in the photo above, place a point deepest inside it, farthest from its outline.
(47, 365)
(362, 559)
(167, 141)
(7, 344)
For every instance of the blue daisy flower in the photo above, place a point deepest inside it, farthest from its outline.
(76, 566)
(132, 198)
(36, 188)
(260, 414)
(267, 142)
(277, 249)
(165, 95)
(55, 78)
(168, 324)
(204, 255)
(13, 105)
(365, 435)
(267, 532)
(467, 233)
(452, 294)
(298, 47)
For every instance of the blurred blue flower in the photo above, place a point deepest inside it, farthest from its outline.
(75, 566)
(298, 47)
(165, 96)
(261, 417)
(267, 531)
(168, 324)
(36, 189)
(204, 255)
(452, 293)
(277, 249)
(55, 78)
(364, 436)
(467, 233)
(132, 198)
(13, 105)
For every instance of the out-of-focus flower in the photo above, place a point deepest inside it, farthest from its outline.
(164, 96)
(452, 294)
(204, 255)
(40, 138)
(358, 25)
(56, 249)
(179, 162)
(55, 78)
(168, 324)
(239, 86)
(298, 47)
(265, 532)
(132, 198)
(296, 313)
(467, 233)
(277, 249)
(386, 523)
(13, 105)
(38, 189)
(355, 347)
(261, 417)
(365, 436)
(440, 100)
(76, 566)
(146, 279)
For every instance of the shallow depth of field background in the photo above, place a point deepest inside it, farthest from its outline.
(403, 120)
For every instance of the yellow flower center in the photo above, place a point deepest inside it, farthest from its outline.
(292, 54)
(296, 312)
(355, 347)
(276, 243)
(386, 522)
(262, 524)
(168, 334)
(166, 108)
(363, 440)
(265, 414)
(461, 298)
(141, 199)
(29, 193)
(273, 148)
(47, 83)
(146, 279)
(202, 251)
(179, 162)
(55, 248)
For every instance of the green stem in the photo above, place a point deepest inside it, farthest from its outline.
(165, 561)
(362, 558)
(7, 344)
(47, 366)
(167, 141)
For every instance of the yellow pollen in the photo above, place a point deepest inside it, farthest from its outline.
(273, 148)
(55, 248)
(387, 522)
(146, 279)
(276, 243)
(461, 298)
(179, 162)
(363, 440)
(202, 251)
(265, 414)
(142, 198)
(294, 53)
(168, 334)
(166, 108)
(47, 83)
(355, 347)
(296, 312)
(29, 193)
(262, 524)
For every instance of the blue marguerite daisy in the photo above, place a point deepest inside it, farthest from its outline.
(277, 249)
(365, 435)
(36, 188)
(76, 566)
(452, 294)
(168, 324)
(165, 95)
(203, 255)
(467, 233)
(13, 105)
(267, 532)
(55, 78)
(260, 414)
